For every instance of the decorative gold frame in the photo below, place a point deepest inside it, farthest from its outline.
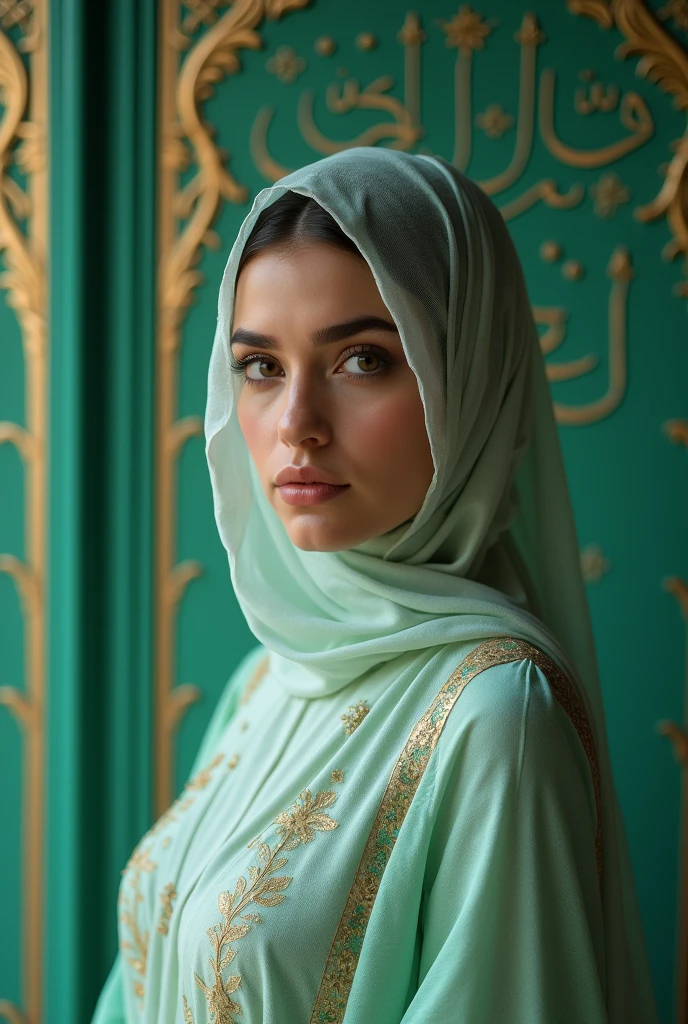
(23, 138)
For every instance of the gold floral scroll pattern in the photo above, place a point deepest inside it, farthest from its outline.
(134, 939)
(664, 61)
(265, 888)
(190, 68)
(23, 247)
(331, 1001)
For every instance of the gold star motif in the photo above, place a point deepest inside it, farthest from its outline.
(467, 30)
(286, 64)
(609, 193)
(494, 121)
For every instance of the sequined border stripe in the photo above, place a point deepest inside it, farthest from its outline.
(333, 995)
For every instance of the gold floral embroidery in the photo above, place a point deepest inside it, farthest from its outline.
(202, 777)
(233, 761)
(296, 825)
(333, 995)
(167, 897)
(255, 680)
(354, 715)
(135, 947)
(337, 775)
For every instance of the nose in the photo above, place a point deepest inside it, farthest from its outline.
(303, 421)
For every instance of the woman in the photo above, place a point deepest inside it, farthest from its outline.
(403, 809)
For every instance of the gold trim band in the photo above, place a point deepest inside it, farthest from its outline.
(330, 1004)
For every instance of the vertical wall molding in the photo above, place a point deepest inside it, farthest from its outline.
(24, 246)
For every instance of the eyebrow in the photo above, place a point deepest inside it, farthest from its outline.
(323, 336)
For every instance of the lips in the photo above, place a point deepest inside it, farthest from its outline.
(305, 475)
(306, 485)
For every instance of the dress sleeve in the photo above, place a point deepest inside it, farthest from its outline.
(110, 1007)
(511, 918)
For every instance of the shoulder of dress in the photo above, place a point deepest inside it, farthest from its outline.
(503, 698)
(498, 689)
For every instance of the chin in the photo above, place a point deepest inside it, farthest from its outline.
(308, 535)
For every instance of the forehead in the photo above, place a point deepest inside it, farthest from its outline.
(308, 280)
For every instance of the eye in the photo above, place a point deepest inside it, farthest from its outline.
(259, 369)
(363, 363)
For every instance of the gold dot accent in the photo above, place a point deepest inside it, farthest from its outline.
(573, 270)
(233, 761)
(551, 251)
(366, 41)
(337, 775)
(325, 46)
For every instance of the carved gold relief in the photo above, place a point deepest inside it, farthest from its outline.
(186, 215)
(23, 246)
(494, 121)
(554, 318)
(664, 61)
(286, 64)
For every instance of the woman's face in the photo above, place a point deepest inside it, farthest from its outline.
(329, 407)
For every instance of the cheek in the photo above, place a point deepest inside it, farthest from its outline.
(388, 433)
(256, 424)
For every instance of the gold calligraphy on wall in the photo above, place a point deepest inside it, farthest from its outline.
(23, 246)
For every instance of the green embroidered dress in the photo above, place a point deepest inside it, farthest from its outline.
(469, 869)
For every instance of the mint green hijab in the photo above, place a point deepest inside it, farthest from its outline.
(494, 543)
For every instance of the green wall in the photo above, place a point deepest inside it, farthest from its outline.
(629, 481)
